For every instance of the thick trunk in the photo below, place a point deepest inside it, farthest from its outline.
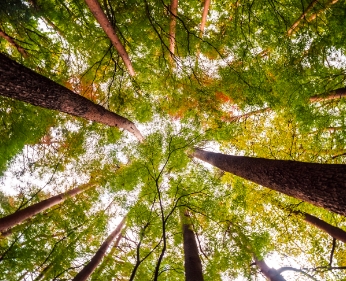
(271, 273)
(21, 83)
(333, 231)
(333, 95)
(204, 15)
(193, 265)
(101, 17)
(18, 217)
(97, 258)
(303, 15)
(172, 25)
(323, 185)
(10, 40)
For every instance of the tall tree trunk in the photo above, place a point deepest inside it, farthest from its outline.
(21, 215)
(21, 83)
(172, 25)
(97, 258)
(333, 95)
(193, 265)
(333, 231)
(107, 259)
(323, 185)
(303, 15)
(10, 40)
(101, 17)
(204, 15)
(271, 273)
(315, 15)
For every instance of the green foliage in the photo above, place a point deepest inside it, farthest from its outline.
(243, 85)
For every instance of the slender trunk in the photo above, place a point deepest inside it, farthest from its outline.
(97, 258)
(204, 15)
(10, 40)
(303, 15)
(21, 83)
(333, 231)
(315, 15)
(271, 273)
(172, 25)
(323, 185)
(193, 265)
(101, 17)
(109, 255)
(21, 215)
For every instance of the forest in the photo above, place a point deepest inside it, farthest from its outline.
(173, 140)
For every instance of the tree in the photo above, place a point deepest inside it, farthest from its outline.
(319, 184)
(193, 266)
(241, 64)
(97, 258)
(96, 9)
(271, 273)
(24, 84)
(26, 213)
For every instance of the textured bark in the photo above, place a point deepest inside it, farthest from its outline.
(97, 258)
(193, 265)
(333, 231)
(323, 185)
(271, 273)
(303, 15)
(101, 17)
(172, 25)
(21, 83)
(10, 40)
(204, 15)
(21, 215)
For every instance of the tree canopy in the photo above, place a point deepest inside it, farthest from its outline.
(261, 79)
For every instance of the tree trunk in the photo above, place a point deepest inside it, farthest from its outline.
(323, 185)
(172, 25)
(296, 23)
(21, 215)
(333, 95)
(271, 273)
(97, 258)
(333, 231)
(21, 83)
(204, 15)
(193, 265)
(101, 18)
(10, 40)
(313, 16)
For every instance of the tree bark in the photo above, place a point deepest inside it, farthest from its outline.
(313, 16)
(333, 95)
(193, 265)
(10, 40)
(97, 258)
(21, 215)
(101, 17)
(333, 231)
(303, 15)
(271, 273)
(323, 185)
(21, 83)
(204, 15)
(172, 25)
